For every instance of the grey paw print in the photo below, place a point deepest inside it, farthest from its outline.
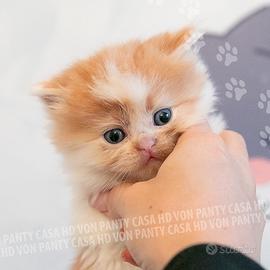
(227, 54)
(199, 45)
(235, 89)
(195, 42)
(265, 137)
(264, 102)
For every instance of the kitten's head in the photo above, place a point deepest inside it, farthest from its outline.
(119, 113)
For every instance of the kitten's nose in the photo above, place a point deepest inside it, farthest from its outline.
(146, 143)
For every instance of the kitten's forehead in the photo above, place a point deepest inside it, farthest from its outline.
(122, 87)
(128, 91)
(141, 92)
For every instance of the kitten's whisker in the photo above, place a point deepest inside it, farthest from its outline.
(117, 177)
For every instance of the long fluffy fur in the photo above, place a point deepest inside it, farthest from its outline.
(122, 86)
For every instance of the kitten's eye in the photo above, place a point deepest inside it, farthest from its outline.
(162, 117)
(115, 136)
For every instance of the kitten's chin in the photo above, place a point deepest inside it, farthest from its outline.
(146, 171)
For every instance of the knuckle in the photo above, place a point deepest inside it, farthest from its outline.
(213, 140)
(240, 139)
(236, 137)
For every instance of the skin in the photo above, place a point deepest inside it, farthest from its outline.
(204, 169)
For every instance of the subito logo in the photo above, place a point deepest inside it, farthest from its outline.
(211, 249)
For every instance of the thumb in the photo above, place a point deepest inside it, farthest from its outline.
(113, 202)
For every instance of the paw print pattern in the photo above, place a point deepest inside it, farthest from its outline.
(265, 137)
(195, 42)
(264, 102)
(190, 9)
(235, 89)
(227, 54)
(200, 44)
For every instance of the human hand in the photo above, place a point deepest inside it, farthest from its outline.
(204, 170)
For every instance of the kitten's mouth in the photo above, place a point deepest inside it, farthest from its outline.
(149, 157)
(152, 159)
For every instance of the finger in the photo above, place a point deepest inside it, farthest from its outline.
(199, 128)
(236, 146)
(99, 201)
(235, 143)
(112, 202)
(196, 132)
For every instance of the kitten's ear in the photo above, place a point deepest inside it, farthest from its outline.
(50, 95)
(170, 43)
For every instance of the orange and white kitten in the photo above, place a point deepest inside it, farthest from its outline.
(118, 114)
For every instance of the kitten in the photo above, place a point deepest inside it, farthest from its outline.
(118, 114)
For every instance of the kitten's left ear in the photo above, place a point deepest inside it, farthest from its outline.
(171, 43)
(51, 96)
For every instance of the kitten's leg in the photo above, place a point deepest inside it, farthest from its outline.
(95, 256)
(113, 264)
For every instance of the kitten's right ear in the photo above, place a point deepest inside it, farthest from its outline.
(52, 97)
(169, 43)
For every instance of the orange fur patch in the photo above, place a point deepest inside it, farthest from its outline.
(81, 116)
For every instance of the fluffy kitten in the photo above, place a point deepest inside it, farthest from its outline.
(118, 114)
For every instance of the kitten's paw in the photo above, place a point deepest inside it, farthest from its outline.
(97, 259)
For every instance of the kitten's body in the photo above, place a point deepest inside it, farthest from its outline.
(123, 87)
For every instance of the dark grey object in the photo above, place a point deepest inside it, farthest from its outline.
(239, 65)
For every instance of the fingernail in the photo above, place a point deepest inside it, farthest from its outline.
(98, 202)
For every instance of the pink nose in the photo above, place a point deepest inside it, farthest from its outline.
(146, 143)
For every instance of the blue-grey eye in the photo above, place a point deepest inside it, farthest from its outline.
(162, 117)
(115, 136)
